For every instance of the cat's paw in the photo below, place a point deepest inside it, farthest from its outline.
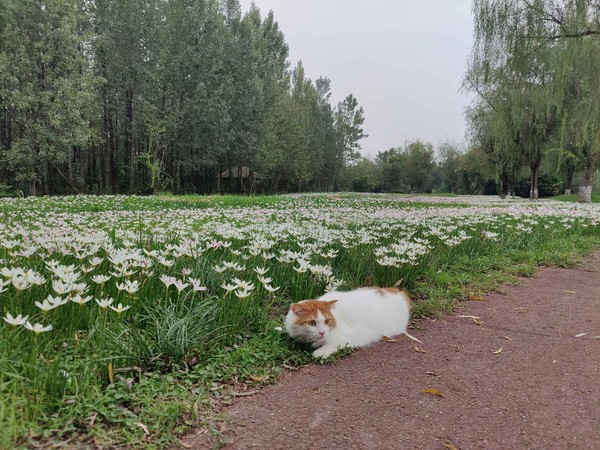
(323, 352)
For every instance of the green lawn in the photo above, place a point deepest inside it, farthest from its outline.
(160, 306)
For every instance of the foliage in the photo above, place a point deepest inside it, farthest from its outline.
(534, 67)
(141, 96)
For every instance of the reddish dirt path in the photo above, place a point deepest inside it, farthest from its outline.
(541, 391)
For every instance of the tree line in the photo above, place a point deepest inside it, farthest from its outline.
(535, 68)
(142, 96)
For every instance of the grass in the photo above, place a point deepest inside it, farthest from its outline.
(573, 198)
(140, 377)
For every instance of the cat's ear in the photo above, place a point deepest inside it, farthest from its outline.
(330, 303)
(296, 308)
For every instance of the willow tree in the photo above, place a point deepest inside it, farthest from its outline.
(528, 49)
(580, 88)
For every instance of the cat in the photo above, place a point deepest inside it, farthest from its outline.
(355, 318)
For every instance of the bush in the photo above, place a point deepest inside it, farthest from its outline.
(548, 186)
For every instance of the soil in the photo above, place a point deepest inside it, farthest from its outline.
(516, 370)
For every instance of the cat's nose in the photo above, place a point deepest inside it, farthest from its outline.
(321, 333)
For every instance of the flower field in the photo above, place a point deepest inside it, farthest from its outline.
(105, 299)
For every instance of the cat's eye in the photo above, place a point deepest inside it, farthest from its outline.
(327, 321)
(312, 323)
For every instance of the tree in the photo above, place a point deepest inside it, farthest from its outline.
(450, 155)
(48, 96)
(349, 118)
(542, 48)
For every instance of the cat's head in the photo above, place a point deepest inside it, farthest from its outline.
(311, 320)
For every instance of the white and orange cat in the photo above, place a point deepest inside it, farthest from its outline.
(355, 318)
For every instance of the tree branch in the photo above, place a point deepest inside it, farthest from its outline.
(62, 175)
(489, 102)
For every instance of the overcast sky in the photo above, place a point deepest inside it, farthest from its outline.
(402, 59)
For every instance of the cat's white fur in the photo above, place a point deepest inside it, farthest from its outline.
(362, 317)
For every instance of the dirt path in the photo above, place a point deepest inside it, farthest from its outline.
(517, 377)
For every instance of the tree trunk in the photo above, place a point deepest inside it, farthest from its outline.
(569, 180)
(131, 138)
(67, 180)
(533, 190)
(585, 189)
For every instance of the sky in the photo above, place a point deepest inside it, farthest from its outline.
(402, 59)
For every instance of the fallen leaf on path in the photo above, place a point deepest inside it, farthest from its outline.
(111, 373)
(520, 309)
(418, 350)
(474, 318)
(259, 379)
(569, 292)
(184, 445)
(412, 337)
(388, 339)
(581, 334)
(507, 338)
(244, 394)
(500, 350)
(143, 427)
(478, 299)
(433, 392)
(433, 373)
(450, 446)
(92, 419)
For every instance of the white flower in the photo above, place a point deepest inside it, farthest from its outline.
(37, 328)
(242, 293)
(35, 278)
(229, 287)
(20, 283)
(60, 287)
(270, 288)
(180, 285)
(302, 266)
(18, 320)
(95, 261)
(8, 273)
(120, 308)
(57, 301)
(167, 280)
(129, 286)
(105, 302)
(265, 280)
(220, 269)
(81, 300)
(100, 279)
(261, 270)
(165, 262)
(79, 288)
(196, 286)
(46, 305)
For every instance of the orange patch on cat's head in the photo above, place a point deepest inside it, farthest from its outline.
(308, 310)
